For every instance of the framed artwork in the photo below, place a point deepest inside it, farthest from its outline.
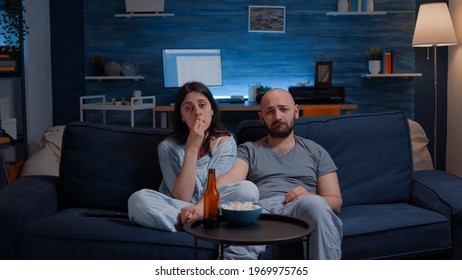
(267, 19)
(323, 74)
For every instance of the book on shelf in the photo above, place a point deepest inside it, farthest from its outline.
(4, 140)
(7, 68)
(358, 5)
(4, 63)
(363, 5)
(387, 62)
(354, 5)
(7, 64)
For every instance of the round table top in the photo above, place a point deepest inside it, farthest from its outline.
(268, 229)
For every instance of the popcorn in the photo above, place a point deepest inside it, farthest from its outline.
(237, 205)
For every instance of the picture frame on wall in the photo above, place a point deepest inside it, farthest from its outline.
(323, 74)
(267, 19)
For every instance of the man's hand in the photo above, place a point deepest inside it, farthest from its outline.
(295, 193)
(191, 213)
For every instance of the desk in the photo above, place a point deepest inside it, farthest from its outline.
(246, 106)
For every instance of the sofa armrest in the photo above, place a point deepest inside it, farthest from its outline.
(441, 192)
(23, 202)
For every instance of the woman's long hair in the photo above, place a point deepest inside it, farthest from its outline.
(180, 128)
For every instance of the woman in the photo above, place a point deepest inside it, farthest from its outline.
(198, 142)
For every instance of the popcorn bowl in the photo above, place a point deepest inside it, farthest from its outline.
(240, 213)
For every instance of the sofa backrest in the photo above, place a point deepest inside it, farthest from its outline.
(102, 165)
(373, 152)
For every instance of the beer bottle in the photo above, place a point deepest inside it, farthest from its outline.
(211, 202)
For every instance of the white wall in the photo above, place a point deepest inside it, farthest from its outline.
(454, 137)
(39, 107)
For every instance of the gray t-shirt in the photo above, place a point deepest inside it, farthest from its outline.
(275, 174)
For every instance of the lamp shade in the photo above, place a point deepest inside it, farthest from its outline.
(434, 26)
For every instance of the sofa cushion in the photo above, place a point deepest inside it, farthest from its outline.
(46, 160)
(102, 165)
(70, 234)
(392, 231)
(421, 155)
(373, 153)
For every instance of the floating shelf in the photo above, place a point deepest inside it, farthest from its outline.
(100, 78)
(377, 13)
(155, 14)
(395, 75)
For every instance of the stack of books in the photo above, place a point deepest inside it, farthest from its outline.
(6, 63)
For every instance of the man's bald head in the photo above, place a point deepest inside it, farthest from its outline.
(278, 112)
(276, 96)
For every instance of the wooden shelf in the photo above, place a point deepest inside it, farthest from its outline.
(377, 13)
(394, 75)
(156, 14)
(100, 78)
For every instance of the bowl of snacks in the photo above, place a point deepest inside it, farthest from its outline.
(240, 213)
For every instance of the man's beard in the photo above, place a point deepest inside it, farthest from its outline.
(279, 129)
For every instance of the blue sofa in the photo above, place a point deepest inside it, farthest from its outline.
(389, 211)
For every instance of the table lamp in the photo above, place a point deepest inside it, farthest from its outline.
(434, 28)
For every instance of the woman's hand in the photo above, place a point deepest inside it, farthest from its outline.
(196, 135)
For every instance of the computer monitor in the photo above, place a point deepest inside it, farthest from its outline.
(185, 65)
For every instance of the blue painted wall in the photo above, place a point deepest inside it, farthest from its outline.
(273, 59)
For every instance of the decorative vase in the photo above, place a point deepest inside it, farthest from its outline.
(112, 69)
(370, 6)
(342, 6)
(252, 94)
(375, 66)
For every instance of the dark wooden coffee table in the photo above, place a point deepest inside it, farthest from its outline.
(269, 229)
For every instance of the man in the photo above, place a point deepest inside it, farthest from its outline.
(294, 176)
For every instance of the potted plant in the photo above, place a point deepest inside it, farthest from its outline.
(97, 64)
(260, 90)
(14, 29)
(374, 55)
